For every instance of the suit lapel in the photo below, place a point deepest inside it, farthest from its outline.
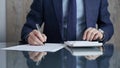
(91, 12)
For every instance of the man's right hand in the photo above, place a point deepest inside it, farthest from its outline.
(35, 38)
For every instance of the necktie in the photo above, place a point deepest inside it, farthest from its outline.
(71, 20)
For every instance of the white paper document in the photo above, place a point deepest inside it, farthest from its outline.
(78, 48)
(48, 47)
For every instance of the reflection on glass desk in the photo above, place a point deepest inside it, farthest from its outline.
(16, 59)
(2, 56)
(11, 59)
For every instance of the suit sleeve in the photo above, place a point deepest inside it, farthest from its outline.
(35, 16)
(104, 21)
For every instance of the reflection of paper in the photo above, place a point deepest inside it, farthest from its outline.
(48, 47)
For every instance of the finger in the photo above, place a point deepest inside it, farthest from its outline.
(93, 35)
(88, 57)
(100, 35)
(95, 57)
(29, 40)
(92, 57)
(85, 33)
(35, 39)
(32, 42)
(101, 48)
(89, 33)
(33, 54)
(39, 56)
(45, 53)
(45, 37)
(39, 35)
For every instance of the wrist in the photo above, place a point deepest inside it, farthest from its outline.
(26, 38)
(102, 32)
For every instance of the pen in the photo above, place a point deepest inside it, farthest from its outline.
(38, 28)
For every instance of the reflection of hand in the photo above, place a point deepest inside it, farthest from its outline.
(37, 56)
(92, 34)
(93, 57)
(36, 38)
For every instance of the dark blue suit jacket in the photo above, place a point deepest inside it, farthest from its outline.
(50, 12)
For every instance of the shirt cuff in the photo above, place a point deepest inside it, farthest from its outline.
(26, 38)
(103, 34)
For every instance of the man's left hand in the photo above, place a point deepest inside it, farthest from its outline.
(92, 34)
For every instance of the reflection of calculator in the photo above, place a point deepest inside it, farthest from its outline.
(84, 51)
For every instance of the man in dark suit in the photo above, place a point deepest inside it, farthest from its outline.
(65, 20)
